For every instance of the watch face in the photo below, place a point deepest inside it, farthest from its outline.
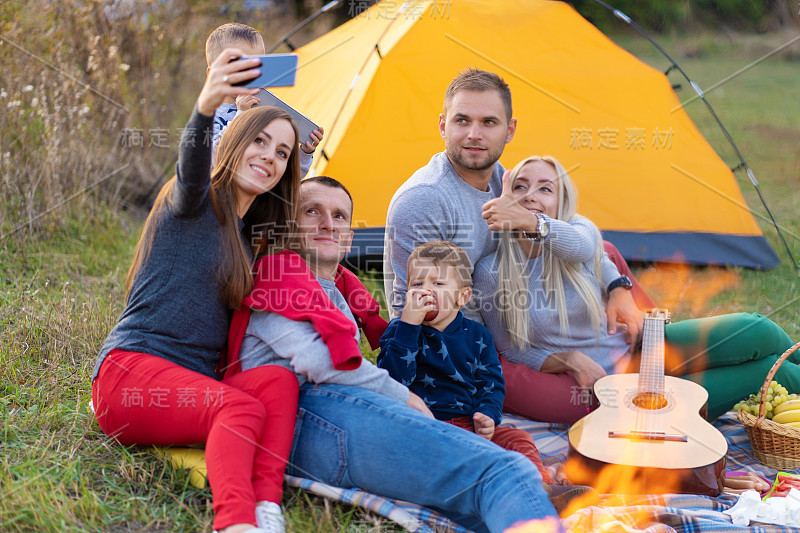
(543, 227)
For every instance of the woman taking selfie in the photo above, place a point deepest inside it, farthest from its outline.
(154, 382)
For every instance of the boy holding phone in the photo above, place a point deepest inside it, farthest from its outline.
(249, 41)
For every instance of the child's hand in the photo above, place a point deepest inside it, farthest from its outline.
(417, 403)
(484, 425)
(221, 75)
(246, 101)
(316, 138)
(418, 303)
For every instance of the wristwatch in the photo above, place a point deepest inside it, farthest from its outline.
(542, 229)
(622, 281)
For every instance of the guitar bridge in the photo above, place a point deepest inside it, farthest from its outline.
(647, 435)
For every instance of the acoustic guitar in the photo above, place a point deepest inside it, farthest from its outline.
(648, 435)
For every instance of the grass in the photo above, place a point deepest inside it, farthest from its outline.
(59, 472)
(61, 293)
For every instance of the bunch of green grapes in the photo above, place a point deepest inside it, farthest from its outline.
(776, 395)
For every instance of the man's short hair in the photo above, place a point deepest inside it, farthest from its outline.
(445, 253)
(228, 35)
(474, 79)
(332, 183)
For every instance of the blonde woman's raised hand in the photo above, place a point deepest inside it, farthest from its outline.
(504, 213)
(222, 74)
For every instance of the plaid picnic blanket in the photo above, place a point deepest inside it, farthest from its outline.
(624, 514)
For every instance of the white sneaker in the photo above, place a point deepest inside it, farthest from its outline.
(269, 518)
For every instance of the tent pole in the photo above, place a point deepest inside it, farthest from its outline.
(332, 127)
(303, 24)
(742, 163)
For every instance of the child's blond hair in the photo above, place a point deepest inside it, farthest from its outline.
(447, 253)
(228, 35)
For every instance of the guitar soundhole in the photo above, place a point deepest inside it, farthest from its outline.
(650, 400)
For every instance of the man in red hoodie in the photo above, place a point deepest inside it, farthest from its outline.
(297, 316)
(354, 425)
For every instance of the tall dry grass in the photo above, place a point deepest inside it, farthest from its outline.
(93, 94)
(63, 95)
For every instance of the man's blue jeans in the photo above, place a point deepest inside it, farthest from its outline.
(351, 437)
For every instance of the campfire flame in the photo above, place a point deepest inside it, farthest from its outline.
(686, 290)
(617, 479)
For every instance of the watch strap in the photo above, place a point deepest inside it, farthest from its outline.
(537, 237)
(622, 281)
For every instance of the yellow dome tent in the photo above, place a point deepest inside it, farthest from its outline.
(645, 174)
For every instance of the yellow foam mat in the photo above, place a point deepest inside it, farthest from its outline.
(191, 459)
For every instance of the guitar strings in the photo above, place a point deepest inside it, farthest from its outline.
(651, 373)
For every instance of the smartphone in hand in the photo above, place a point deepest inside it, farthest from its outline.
(277, 70)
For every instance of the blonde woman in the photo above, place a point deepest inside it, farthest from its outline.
(541, 298)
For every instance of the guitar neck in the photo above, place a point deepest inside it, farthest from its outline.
(651, 368)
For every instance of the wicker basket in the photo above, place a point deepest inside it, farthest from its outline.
(775, 445)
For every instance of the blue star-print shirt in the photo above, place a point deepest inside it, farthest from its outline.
(456, 371)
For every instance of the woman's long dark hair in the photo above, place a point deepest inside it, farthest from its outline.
(269, 223)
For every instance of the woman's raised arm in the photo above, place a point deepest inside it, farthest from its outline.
(194, 156)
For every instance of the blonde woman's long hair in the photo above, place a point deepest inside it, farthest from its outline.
(513, 292)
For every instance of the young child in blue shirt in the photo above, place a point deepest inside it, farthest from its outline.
(445, 358)
(249, 41)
